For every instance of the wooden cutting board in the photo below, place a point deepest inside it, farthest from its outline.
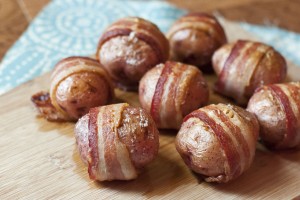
(39, 160)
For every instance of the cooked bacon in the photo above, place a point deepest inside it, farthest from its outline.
(159, 89)
(109, 155)
(48, 104)
(42, 102)
(247, 66)
(178, 90)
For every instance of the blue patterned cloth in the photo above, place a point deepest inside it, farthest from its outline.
(73, 27)
(287, 42)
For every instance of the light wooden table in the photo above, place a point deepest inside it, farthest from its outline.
(15, 15)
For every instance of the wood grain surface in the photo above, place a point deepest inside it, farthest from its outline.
(39, 160)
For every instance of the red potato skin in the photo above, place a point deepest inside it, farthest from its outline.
(136, 130)
(129, 48)
(127, 61)
(195, 45)
(160, 98)
(80, 92)
(278, 113)
(270, 68)
(77, 84)
(146, 142)
(218, 141)
(82, 137)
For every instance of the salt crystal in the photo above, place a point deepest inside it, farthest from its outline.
(131, 36)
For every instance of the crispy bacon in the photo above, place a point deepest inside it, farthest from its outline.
(93, 158)
(42, 102)
(159, 89)
(235, 52)
(109, 157)
(291, 120)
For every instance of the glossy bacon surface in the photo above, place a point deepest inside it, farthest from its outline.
(277, 108)
(172, 90)
(245, 65)
(116, 141)
(218, 141)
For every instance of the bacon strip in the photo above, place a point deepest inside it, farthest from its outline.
(200, 21)
(172, 96)
(243, 60)
(159, 90)
(71, 62)
(42, 102)
(93, 157)
(294, 89)
(109, 157)
(47, 104)
(291, 120)
(244, 70)
(236, 132)
(225, 141)
(109, 136)
(188, 73)
(236, 50)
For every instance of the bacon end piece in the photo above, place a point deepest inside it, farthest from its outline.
(42, 102)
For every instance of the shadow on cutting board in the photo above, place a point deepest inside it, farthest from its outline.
(253, 181)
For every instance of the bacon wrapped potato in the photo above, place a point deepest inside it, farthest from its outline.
(129, 48)
(194, 38)
(172, 90)
(277, 108)
(243, 66)
(116, 141)
(218, 141)
(77, 84)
